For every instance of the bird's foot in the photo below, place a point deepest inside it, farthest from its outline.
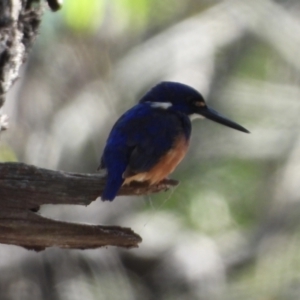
(166, 184)
(169, 182)
(145, 188)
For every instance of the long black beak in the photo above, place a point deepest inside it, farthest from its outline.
(213, 115)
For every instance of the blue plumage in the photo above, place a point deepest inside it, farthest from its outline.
(144, 135)
(137, 141)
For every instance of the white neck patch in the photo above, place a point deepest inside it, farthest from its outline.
(162, 105)
(195, 116)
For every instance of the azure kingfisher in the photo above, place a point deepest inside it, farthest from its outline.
(149, 140)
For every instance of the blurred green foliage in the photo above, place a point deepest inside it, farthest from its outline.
(136, 15)
(7, 154)
(135, 11)
(226, 191)
(258, 63)
(82, 15)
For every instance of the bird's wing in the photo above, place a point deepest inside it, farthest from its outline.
(140, 138)
(150, 137)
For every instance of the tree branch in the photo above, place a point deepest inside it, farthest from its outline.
(24, 188)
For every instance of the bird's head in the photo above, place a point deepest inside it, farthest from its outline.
(183, 98)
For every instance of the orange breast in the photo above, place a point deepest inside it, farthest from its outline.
(166, 164)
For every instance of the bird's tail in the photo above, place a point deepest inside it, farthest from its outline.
(111, 188)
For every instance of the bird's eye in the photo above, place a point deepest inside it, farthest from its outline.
(199, 104)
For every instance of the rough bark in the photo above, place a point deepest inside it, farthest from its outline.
(24, 188)
(19, 23)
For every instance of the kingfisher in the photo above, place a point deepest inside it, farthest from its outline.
(149, 140)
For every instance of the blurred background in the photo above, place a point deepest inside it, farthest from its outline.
(231, 228)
